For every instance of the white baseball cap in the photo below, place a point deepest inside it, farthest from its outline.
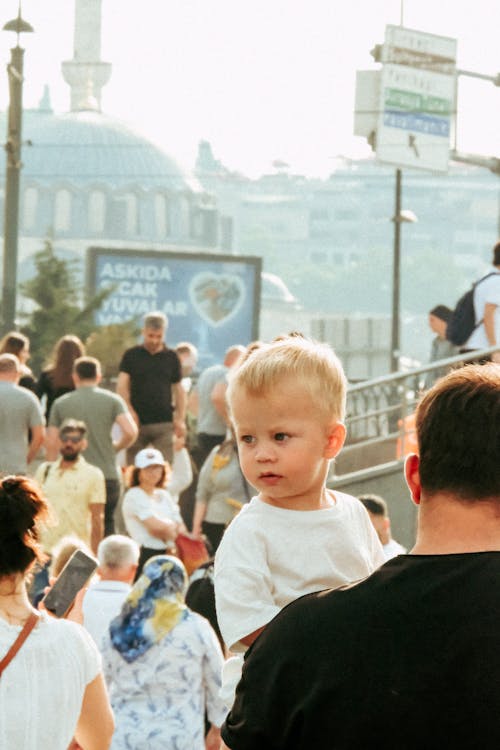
(149, 457)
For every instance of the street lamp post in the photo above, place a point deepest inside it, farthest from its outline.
(400, 216)
(13, 151)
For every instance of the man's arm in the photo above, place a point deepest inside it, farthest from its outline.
(193, 402)
(180, 400)
(123, 390)
(218, 398)
(37, 437)
(129, 431)
(96, 490)
(489, 327)
(96, 525)
(51, 443)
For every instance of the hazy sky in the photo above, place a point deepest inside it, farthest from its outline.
(261, 80)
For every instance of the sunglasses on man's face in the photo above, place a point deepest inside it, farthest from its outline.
(71, 439)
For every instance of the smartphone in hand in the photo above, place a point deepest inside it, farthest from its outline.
(73, 577)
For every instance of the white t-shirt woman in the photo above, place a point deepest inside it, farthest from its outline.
(139, 505)
(42, 689)
(152, 517)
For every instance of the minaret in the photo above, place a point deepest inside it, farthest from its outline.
(85, 73)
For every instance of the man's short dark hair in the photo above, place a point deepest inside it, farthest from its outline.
(496, 254)
(442, 312)
(374, 504)
(9, 363)
(87, 368)
(73, 425)
(156, 320)
(458, 430)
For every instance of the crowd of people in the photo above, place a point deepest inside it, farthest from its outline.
(309, 625)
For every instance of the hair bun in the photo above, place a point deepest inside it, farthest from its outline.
(17, 510)
(21, 505)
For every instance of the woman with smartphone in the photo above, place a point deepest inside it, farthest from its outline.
(163, 664)
(51, 684)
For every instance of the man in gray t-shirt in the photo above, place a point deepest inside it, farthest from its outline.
(100, 410)
(21, 420)
(212, 415)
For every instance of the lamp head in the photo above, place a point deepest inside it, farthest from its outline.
(18, 25)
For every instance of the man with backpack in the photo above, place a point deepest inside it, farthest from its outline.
(482, 305)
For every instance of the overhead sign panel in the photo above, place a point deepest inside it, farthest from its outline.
(416, 49)
(417, 99)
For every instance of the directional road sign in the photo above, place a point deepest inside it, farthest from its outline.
(417, 99)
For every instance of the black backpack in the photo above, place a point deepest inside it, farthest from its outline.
(463, 320)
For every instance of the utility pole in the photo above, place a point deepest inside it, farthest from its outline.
(13, 151)
(396, 277)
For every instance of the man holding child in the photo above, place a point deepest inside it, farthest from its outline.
(410, 657)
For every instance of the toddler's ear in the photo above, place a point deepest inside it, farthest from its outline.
(336, 437)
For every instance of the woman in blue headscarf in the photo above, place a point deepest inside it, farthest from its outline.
(162, 663)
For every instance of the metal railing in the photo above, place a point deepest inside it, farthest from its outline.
(380, 416)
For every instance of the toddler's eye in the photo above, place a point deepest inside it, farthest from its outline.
(280, 436)
(247, 438)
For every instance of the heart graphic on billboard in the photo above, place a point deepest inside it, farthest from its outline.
(216, 297)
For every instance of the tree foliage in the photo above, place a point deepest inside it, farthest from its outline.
(108, 343)
(59, 305)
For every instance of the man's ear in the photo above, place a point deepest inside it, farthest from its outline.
(412, 476)
(335, 439)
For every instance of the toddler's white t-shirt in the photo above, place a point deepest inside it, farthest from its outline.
(270, 556)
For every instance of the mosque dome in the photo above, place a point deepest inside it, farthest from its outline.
(90, 178)
(85, 147)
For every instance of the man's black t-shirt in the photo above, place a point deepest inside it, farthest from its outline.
(151, 377)
(407, 659)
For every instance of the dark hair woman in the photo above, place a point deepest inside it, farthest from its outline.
(56, 379)
(52, 689)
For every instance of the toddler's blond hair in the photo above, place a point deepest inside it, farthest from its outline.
(311, 364)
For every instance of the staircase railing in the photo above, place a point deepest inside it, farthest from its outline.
(380, 415)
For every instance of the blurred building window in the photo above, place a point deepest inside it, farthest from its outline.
(97, 211)
(30, 207)
(62, 211)
(162, 223)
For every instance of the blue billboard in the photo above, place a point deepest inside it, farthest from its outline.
(210, 300)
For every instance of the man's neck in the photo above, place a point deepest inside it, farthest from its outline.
(448, 525)
(120, 576)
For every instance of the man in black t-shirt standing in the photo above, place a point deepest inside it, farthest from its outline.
(149, 381)
(409, 658)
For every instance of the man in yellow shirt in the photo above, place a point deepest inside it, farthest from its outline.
(75, 490)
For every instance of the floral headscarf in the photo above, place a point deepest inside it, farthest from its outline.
(153, 608)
